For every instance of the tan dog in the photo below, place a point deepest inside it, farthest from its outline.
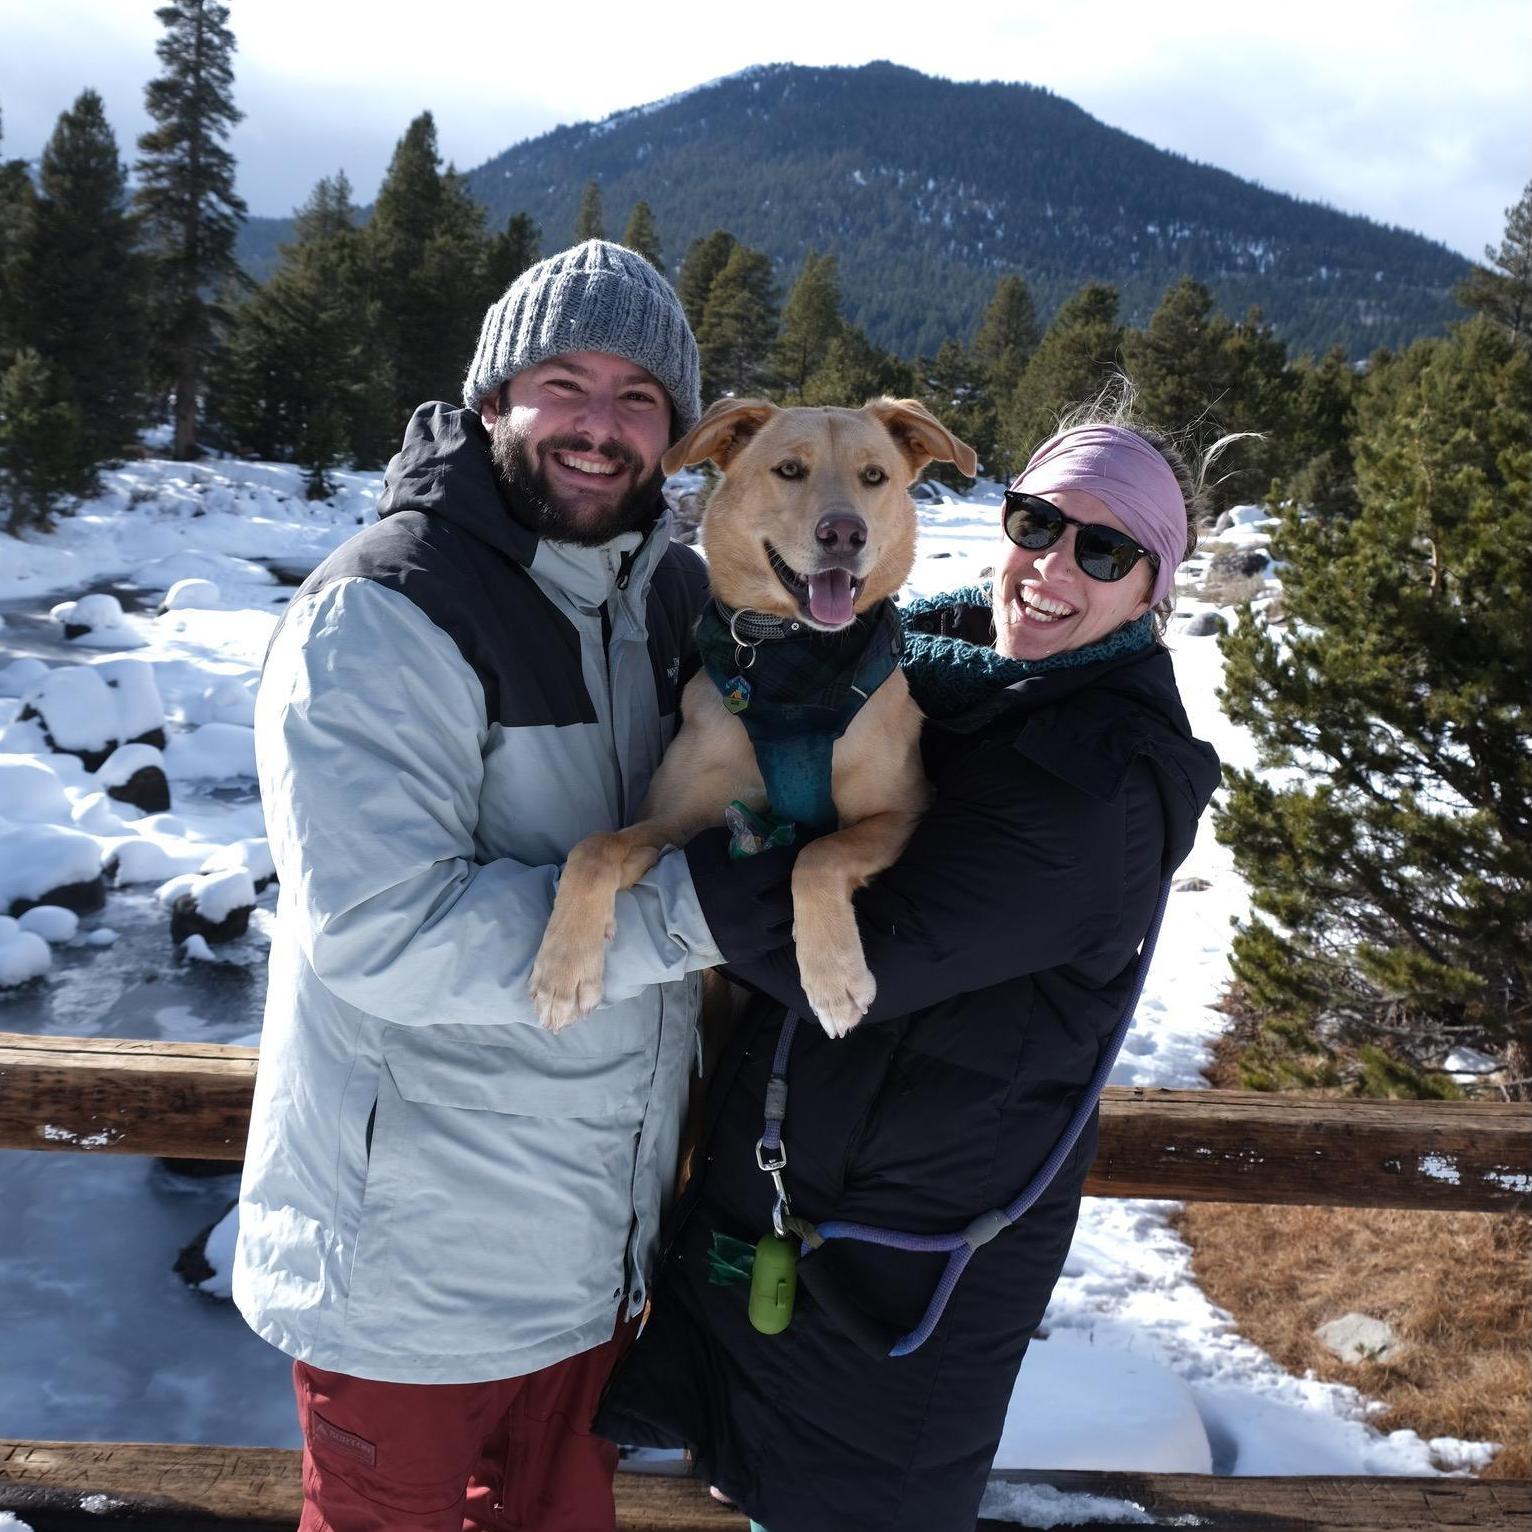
(812, 522)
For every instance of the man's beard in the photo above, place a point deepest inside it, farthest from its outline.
(542, 507)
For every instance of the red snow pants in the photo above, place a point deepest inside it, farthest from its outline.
(510, 1456)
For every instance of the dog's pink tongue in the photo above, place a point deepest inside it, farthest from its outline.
(830, 597)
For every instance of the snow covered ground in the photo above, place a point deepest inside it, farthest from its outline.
(104, 1342)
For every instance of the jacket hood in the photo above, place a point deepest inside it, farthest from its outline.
(444, 469)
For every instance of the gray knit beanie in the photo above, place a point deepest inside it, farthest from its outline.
(593, 297)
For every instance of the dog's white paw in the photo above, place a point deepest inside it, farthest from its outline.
(565, 985)
(840, 998)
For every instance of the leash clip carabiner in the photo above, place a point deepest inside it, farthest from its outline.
(781, 1208)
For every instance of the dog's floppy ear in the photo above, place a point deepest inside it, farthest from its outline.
(727, 426)
(920, 436)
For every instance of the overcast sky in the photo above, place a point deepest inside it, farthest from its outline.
(1414, 112)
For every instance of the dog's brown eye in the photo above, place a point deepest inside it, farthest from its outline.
(791, 469)
(872, 474)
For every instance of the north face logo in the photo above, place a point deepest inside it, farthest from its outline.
(673, 671)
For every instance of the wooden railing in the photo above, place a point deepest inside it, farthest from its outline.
(192, 1101)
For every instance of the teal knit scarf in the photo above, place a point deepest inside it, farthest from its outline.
(948, 676)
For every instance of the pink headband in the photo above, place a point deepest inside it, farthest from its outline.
(1121, 469)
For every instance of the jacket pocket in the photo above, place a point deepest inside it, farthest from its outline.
(523, 1071)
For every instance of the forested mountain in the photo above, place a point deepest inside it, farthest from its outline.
(928, 191)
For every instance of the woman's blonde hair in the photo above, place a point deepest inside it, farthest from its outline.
(1117, 405)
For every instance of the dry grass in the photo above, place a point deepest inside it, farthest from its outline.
(1452, 1285)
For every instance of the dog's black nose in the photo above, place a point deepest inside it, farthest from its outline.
(841, 532)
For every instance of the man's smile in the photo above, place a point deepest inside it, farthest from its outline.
(587, 465)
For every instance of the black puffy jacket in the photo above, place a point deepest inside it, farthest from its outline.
(1003, 943)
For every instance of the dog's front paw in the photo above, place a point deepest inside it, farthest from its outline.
(839, 989)
(566, 981)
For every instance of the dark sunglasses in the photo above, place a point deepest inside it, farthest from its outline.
(1103, 553)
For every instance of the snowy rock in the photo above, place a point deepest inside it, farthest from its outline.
(140, 710)
(31, 792)
(78, 712)
(1467, 1064)
(207, 1263)
(1359, 1338)
(216, 752)
(252, 856)
(187, 593)
(135, 774)
(1242, 516)
(149, 859)
(166, 573)
(93, 814)
(24, 736)
(1238, 563)
(162, 824)
(1201, 625)
(21, 677)
(24, 956)
(226, 701)
(96, 621)
(51, 922)
(47, 864)
(102, 936)
(214, 906)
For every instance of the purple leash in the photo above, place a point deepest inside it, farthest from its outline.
(771, 1156)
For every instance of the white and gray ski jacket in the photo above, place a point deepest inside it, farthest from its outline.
(437, 1190)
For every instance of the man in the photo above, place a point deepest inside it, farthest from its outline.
(448, 1214)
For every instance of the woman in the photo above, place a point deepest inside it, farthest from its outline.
(1067, 785)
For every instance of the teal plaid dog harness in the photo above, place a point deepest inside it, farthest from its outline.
(796, 690)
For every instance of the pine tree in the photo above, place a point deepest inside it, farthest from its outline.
(295, 379)
(186, 196)
(1321, 421)
(739, 326)
(426, 251)
(1007, 336)
(1502, 288)
(854, 370)
(516, 248)
(810, 322)
(43, 462)
(82, 288)
(590, 223)
(642, 236)
(954, 388)
(1179, 362)
(705, 258)
(1392, 870)
(17, 201)
(1259, 399)
(1077, 356)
